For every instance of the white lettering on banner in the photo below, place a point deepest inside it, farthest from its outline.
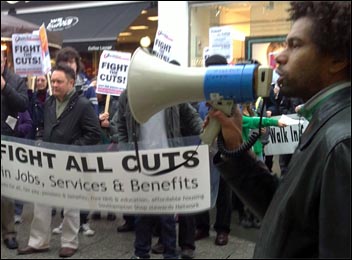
(108, 180)
(60, 23)
(99, 48)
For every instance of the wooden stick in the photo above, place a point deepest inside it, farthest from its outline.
(107, 103)
(49, 83)
(32, 82)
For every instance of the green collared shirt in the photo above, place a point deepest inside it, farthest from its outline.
(318, 99)
(60, 106)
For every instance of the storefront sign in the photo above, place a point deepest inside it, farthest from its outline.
(62, 23)
(99, 47)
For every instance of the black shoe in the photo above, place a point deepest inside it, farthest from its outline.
(222, 238)
(256, 223)
(246, 223)
(11, 243)
(158, 248)
(111, 217)
(200, 234)
(96, 216)
(125, 228)
(187, 253)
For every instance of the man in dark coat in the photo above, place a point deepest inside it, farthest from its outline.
(69, 118)
(14, 99)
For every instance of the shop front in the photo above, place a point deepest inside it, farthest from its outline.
(254, 27)
(89, 29)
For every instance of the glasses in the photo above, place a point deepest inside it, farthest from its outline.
(40, 79)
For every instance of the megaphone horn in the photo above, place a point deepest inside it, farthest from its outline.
(154, 85)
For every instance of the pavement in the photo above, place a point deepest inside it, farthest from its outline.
(107, 243)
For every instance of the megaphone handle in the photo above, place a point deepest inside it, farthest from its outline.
(213, 128)
(210, 132)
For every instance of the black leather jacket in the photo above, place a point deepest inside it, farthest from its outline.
(78, 124)
(307, 214)
(14, 99)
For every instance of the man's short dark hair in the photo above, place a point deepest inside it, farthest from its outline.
(68, 53)
(69, 72)
(331, 31)
(215, 59)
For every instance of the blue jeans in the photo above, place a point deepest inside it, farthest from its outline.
(144, 232)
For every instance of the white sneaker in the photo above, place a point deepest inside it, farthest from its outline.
(58, 230)
(86, 230)
(18, 219)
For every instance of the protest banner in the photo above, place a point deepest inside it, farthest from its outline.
(112, 74)
(107, 181)
(27, 55)
(284, 140)
(163, 45)
(31, 53)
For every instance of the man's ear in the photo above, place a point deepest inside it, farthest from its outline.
(72, 81)
(337, 65)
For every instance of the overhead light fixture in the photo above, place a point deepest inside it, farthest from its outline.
(145, 41)
(125, 34)
(139, 27)
(153, 18)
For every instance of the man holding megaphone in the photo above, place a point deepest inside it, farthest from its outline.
(307, 214)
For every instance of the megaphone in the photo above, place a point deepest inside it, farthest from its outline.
(154, 85)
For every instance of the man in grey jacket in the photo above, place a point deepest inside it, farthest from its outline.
(307, 214)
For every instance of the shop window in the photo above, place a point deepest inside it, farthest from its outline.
(247, 19)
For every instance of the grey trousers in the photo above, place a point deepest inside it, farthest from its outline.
(7, 218)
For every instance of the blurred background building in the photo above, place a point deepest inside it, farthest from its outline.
(92, 26)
